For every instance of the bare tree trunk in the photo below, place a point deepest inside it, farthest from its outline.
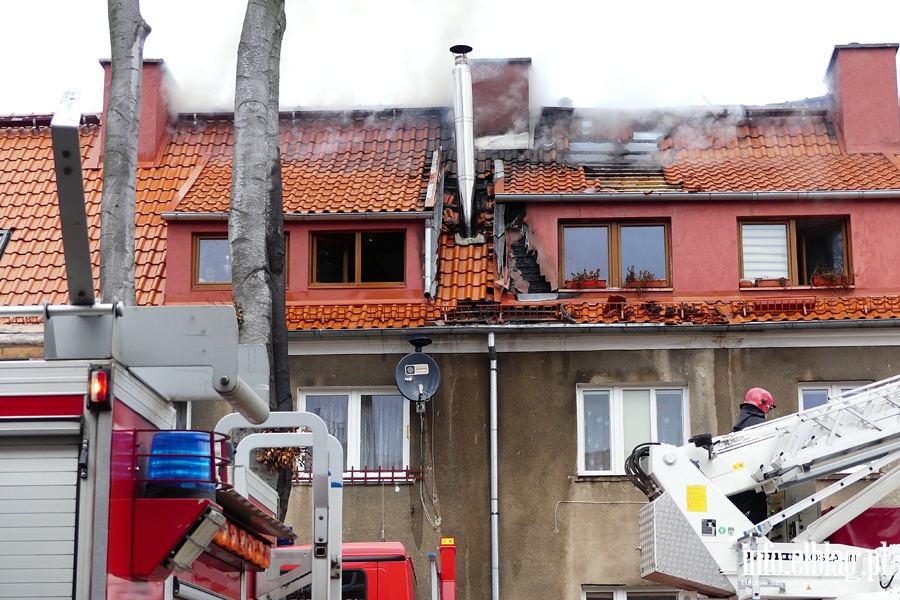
(256, 223)
(127, 32)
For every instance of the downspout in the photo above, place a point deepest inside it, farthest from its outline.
(434, 201)
(464, 127)
(495, 510)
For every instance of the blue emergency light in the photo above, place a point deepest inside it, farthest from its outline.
(180, 465)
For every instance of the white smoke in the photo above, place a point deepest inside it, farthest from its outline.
(349, 53)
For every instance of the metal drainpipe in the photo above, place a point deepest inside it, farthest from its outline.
(428, 243)
(495, 511)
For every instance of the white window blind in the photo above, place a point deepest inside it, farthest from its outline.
(764, 250)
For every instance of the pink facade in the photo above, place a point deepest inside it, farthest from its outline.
(704, 257)
(179, 264)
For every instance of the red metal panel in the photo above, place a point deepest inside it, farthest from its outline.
(216, 576)
(874, 527)
(159, 524)
(448, 568)
(41, 406)
(121, 491)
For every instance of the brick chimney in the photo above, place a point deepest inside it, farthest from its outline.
(152, 132)
(862, 79)
(500, 95)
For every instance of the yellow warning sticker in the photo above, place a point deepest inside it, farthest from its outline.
(696, 498)
(737, 466)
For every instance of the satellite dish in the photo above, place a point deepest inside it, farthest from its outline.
(418, 376)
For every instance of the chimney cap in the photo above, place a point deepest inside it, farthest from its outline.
(460, 49)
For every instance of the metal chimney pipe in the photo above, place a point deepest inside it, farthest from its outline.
(464, 126)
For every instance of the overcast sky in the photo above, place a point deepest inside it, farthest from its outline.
(370, 53)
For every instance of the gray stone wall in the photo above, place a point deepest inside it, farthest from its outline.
(557, 531)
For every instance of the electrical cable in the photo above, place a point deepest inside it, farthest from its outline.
(435, 521)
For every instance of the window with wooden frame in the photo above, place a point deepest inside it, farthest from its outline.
(609, 250)
(212, 260)
(358, 258)
(795, 250)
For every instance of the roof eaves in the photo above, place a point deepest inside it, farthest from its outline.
(669, 196)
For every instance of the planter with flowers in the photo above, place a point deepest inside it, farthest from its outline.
(641, 280)
(586, 280)
(831, 279)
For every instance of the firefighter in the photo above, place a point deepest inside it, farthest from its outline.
(757, 403)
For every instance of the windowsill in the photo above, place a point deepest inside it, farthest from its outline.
(216, 286)
(647, 290)
(362, 477)
(597, 478)
(770, 288)
(356, 285)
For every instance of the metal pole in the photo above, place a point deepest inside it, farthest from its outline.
(48, 311)
(495, 511)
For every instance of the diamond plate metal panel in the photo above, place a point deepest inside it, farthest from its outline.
(672, 554)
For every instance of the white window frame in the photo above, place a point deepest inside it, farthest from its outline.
(354, 412)
(622, 593)
(618, 452)
(831, 388)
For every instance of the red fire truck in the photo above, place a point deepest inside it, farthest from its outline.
(102, 497)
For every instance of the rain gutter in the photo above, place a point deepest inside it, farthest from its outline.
(670, 196)
(366, 216)
(552, 328)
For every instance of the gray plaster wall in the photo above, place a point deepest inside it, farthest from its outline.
(558, 531)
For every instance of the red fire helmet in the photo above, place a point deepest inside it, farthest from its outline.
(759, 398)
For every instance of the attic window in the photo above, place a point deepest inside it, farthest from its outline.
(5, 234)
(212, 260)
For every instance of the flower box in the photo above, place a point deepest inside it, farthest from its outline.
(836, 282)
(770, 282)
(586, 284)
(654, 283)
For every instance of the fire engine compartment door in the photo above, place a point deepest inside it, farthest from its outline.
(38, 507)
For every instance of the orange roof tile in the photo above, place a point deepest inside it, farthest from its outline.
(766, 152)
(350, 162)
(32, 267)
(615, 311)
(785, 173)
(361, 316)
(334, 162)
(347, 163)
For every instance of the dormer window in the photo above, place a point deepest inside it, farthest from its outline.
(212, 260)
(358, 258)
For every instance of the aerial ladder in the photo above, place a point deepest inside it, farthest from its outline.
(693, 537)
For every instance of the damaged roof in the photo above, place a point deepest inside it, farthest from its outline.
(364, 162)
